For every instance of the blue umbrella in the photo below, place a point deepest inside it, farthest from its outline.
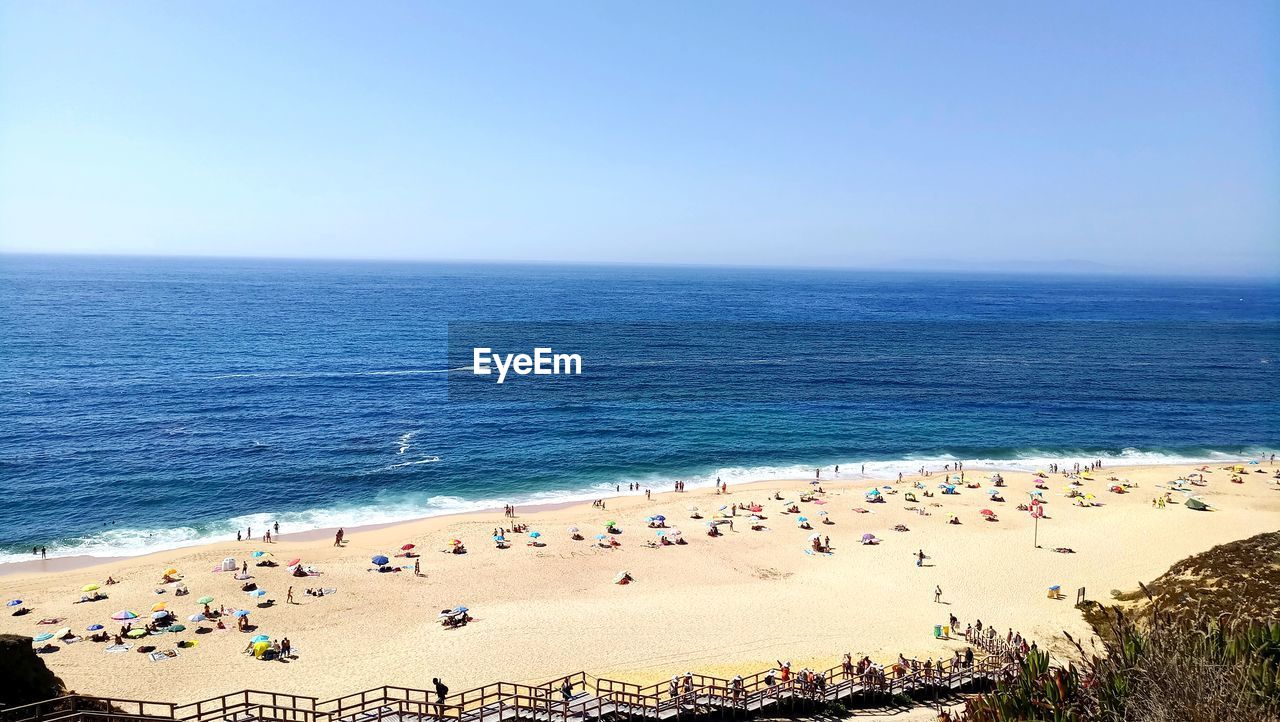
(661, 533)
(380, 560)
(499, 538)
(240, 613)
(660, 517)
(13, 602)
(43, 637)
(260, 638)
(535, 534)
(601, 537)
(259, 554)
(94, 627)
(258, 593)
(459, 610)
(802, 518)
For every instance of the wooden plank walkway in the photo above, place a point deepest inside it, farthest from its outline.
(592, 699)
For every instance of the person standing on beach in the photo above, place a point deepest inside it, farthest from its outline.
(337, 538)
(417, 567)
(288, 598)
(277, 526)
(44, 552)
(937, 595)
(920, 559)
(238, 535)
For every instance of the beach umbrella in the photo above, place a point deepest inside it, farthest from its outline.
(258, 593)
(293, 562)
(42, 638)
(659, 517)
(157, 607)
(987, 512)
(259, 553)
(535, 534)
(135, 633)
(460, 609)
(993, 492)
(170, 571)
(93, 627)
(13, 602)
(753, 518)
(673, 532)
(63, 633)
(662, 533)
(160, 615)
(457, 542)
(499, 538)
(124, 614)
(406, 547)
(868, 537)
(822, 513)
(239, 613)
(802, 518)
(692, 508)
(260, 638)
(178, 628)
(726, 506)
(196, 618)
(379, 560)
(573, 530)
(610, 523)
(90, 588)
(205, 600)
(601, 537)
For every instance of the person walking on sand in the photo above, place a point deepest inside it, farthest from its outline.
(920, 558)
(337, 538)
(937, 595)
(288, 597)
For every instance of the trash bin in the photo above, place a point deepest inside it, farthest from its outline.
(937, 631)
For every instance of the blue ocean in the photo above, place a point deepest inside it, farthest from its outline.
(155, 403)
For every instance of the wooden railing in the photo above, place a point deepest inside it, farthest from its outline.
(593, 698)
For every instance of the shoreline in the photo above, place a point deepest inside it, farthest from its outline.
(722, 605)
(76, 562)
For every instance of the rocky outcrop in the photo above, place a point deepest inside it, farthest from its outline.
(26, 678)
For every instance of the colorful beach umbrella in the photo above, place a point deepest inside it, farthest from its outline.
(379, 560)
(205, 600)
(124, 614)
(13, 602)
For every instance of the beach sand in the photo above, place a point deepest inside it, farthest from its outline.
(726, 605)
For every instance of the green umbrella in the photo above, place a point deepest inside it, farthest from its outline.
(135, 633)
(178, 628)
(205, 600)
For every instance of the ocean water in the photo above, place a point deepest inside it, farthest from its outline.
(155, 403)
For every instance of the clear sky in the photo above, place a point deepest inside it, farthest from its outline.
(1143, 136)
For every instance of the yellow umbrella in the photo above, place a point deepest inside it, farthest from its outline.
(157, 607)
(170, 572)
(90, 588)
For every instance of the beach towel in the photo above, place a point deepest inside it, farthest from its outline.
(161, 655)
(118, 648)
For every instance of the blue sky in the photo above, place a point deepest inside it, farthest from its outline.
(1138, 136)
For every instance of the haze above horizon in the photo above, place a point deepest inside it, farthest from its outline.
(1141, 138)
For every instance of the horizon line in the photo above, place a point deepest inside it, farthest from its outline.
(1072, 267)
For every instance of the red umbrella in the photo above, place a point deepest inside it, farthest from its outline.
(987, 512)
(293, 563)
(406, 547)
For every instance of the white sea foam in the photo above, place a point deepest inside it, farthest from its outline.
(126, 542)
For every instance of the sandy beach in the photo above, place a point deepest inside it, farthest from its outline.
(722, 605)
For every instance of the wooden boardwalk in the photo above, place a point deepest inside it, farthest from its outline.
(593, 699)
